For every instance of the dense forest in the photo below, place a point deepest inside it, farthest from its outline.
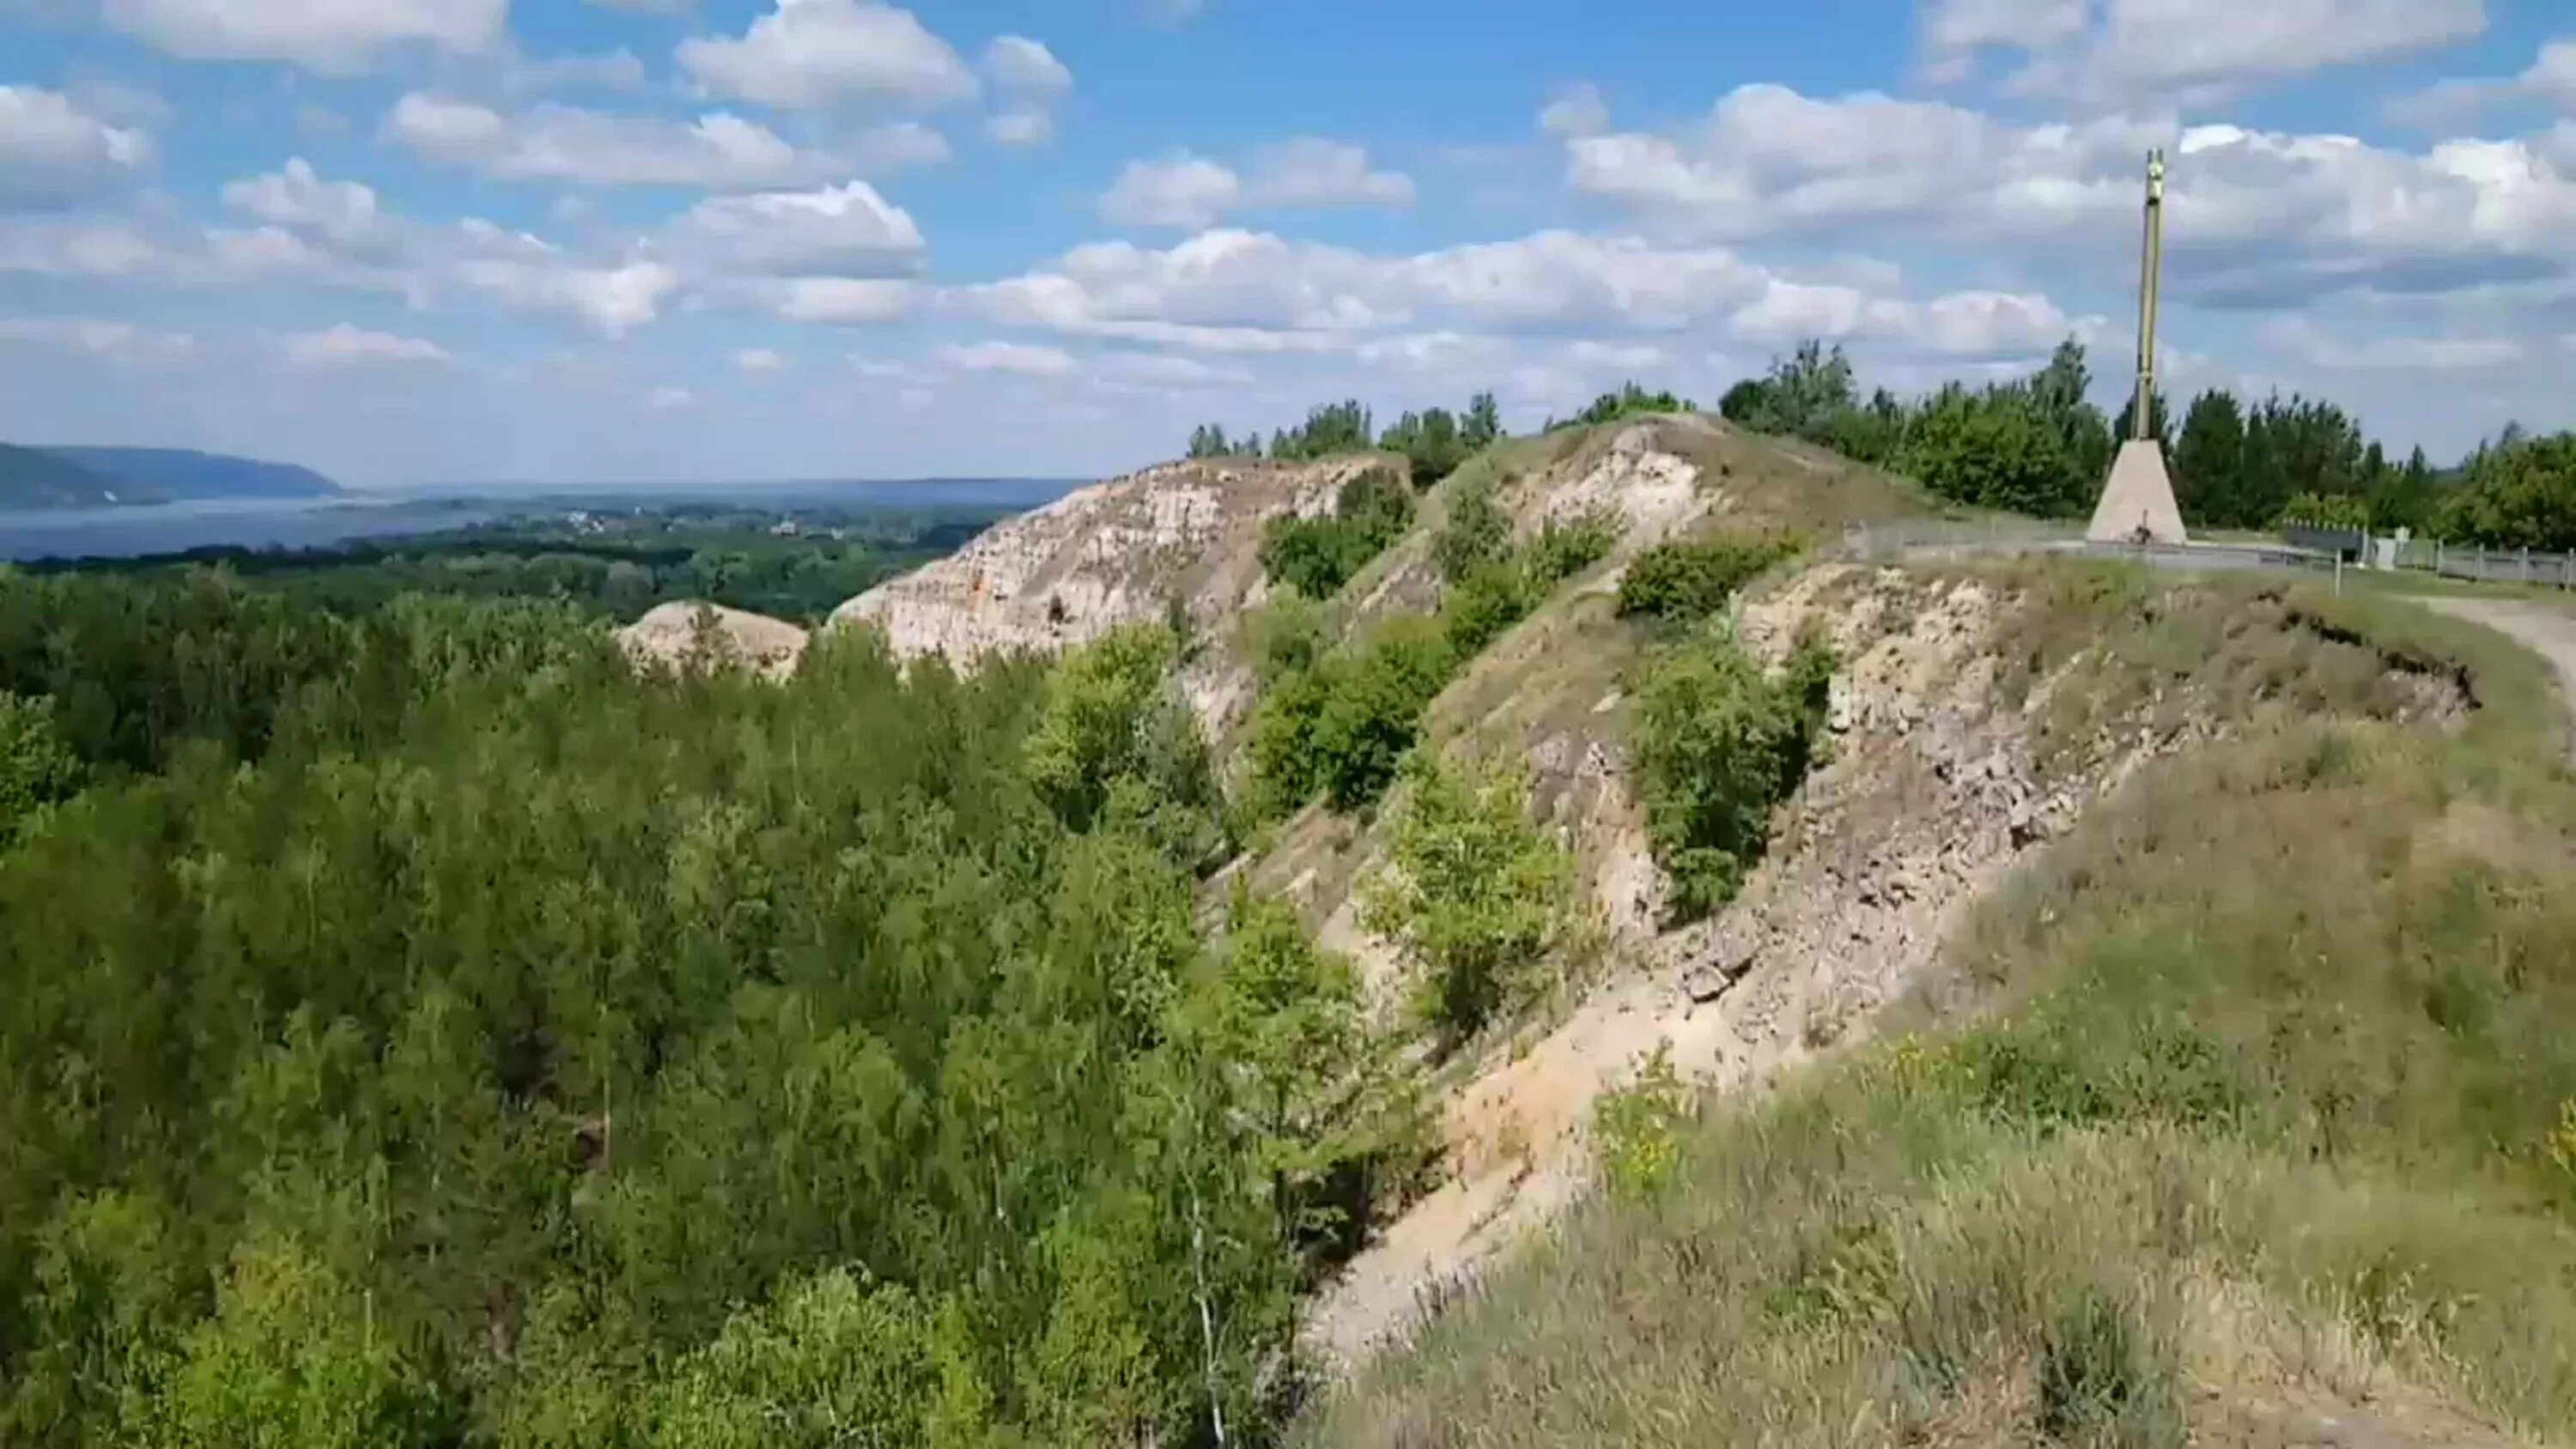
(424, 1031)
(799, 565)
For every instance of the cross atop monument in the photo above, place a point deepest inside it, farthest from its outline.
(2138, 500)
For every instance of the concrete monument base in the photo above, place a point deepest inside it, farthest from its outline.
(2138, 503)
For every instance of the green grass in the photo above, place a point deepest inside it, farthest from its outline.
(2259, 1076)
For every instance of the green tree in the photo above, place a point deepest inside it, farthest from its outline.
(2520, 493)
(1484, 423)
(1688, 579)
(1718, 745)
(36, 767)
(1475, 896)
(835, 1360)
(2209, 461)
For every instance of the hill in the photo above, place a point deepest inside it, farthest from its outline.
(184, 473)
(36, 478)
(2012, 766)
(1572, 953)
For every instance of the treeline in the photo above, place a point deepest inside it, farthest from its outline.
(618, 573)
(2037, 445)
(2034, 445)
(1434, 441)
(422, 1031)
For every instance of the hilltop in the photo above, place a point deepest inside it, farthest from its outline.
(1984, 731)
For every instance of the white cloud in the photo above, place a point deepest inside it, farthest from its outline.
(1310, 171)
(54, 151)
(758, 359)
(330, 37)
(294, 198)
(1020, 128)
(1191, 192)
(1181, 190)
(1019, 66)
(895, 146)
(2552, 77)
(525, 272)
(833, 301)
(844, 231)
(604, 70)
(2119, 51)
(347, 346)
(2252, 216)
(114, 341)
(2550, 80)
(1031, 83)
(1161, 370)
(1955, 30)
(668, 397)
(1017, 358)
(1245, 292)
(2315, 348)
(595, 148)
(829, 54)
(1578, 110)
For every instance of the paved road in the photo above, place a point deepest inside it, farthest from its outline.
(2546, 631)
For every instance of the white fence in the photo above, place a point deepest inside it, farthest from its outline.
(2488, 565)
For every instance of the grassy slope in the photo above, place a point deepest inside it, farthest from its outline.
(2265, 1104)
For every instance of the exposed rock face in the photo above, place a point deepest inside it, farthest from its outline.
(1116, 553)
(690, 634)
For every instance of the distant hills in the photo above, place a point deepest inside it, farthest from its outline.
(33, 478)
(83, 477)
(185, 473)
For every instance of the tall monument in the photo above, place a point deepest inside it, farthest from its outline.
(2138, 502)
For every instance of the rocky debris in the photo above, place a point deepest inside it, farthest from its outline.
(1653, 490)
(1183, 535)
(690, 634)
(1927, 797)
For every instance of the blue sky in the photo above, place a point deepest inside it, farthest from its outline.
(412, 241)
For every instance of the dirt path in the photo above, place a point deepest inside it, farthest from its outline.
(2547, 632)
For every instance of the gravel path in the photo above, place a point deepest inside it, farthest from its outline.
(2546, 631)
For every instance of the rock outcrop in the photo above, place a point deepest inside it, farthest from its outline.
(689, 634)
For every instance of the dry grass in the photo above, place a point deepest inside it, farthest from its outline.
(2278, 1032)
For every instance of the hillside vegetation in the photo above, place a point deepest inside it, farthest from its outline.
(1107, 986)
(2241, 1111)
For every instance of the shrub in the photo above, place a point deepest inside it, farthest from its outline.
(1628, 401)
(1567, 546)
(1476, 896)
(1374, 710)
(1316, 556)
(1490, 599)
(1341, 727)
(1285, 636)
(1636, 1130)
(1692, 579)
(1476, 533)
(1718, 745)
